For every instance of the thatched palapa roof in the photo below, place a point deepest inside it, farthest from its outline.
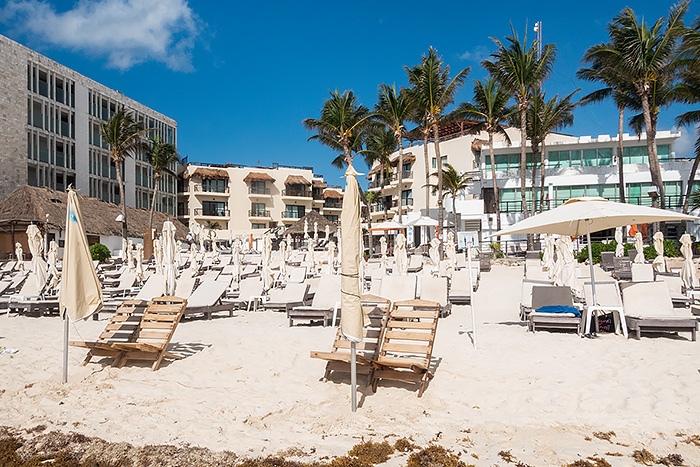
(258, 176)
(332, 194)
(29, 204)
(207, 172)
(297, 228)
(408, 158)
(319, 184)
(296, 180)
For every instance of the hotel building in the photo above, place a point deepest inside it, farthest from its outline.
(50, 135)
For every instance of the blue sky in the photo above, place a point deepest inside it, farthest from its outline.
(239, 77)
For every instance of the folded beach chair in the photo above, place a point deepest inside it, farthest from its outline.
(675, 289)
(608, 298)
(642, 273)
(122, 327)
(398, 288)
(289, 297)
(325, 303)
(339, 357)
(154, 287)
(208, 299)
(553, 296)
(407, 344)
(648, 307)
(622, 268)
(460, 293)
(434, 289)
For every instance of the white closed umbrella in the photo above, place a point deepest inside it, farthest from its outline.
(331, 256)
(382, 247)
(311, 256)
(639, 246)
(266, 256)
(194, 265)
(124, 247)
(130, 256)
(328, 232)
(289, 245)
(401, 255)
(202, 234)
(236, 261)
(169, 268)
(548, 253)
(283, 258)
(434, 254)
(52, 258)
(659, 262)
(306, 228)
(620, 248)
(140, 273)
(352, 318)
(39, 268)
(567, 274)
(158, 255)
(688, 274)
(316, 231)
(450, 253)
(19, 253)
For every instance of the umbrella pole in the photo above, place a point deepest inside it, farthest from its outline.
(590, 262)
(65, 347)
(353, 376)
(471, 293)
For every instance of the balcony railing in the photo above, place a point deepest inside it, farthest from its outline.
(406, 175)
(318, 196)
(672, 202)
(378, 183)
(296, 193)
(405, 202)
(377, 208)
(258, 213)
(211, 212)
(252, 190)
(333, 204)
(293, 214)
(202, 189)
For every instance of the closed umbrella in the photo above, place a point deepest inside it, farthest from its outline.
(139, 262)
(283, 258)
(400, 255)
(130, 256)
(169, 268)
(331, 256)
(659, 262)
(548, 253)
(450, 253)
(201, 236)
(382, 247)
(311, 257)
(39, 268)
(124, 247)
(52, 258)
(290, 247)
(688, 274)
(19, 253)
(316, 231)
(434, 253)
(639, 246)
(194, 265)
(236, 261)
(158, 255)
(567, 272)
(352, 319)
(266, 256)
(81, 293)
(620, 248)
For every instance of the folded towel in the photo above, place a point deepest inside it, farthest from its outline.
(559, 309)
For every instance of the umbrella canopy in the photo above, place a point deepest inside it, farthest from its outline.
(688, 274)
(639, 246)
(81, 294)
(168, 246)
(619, 249)
(423, 221)
(388, 225)
(36, 242)
(659, 262)
(400, 255)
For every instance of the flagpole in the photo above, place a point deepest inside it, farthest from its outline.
(65, 346)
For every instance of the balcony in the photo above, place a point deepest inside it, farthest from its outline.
(332, 205)
(295, 193)
(258, 191)
(202, 212)
(377, 184)
(200, 190)
(259, 213)
(406, 176)
(318, 197)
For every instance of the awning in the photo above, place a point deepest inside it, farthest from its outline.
(208, 172)
(332, 194)
(319, 184)
(258, 176)
(296, 180)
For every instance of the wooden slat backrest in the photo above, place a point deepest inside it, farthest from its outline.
(410, 331)
(160, 319)
(124, 324)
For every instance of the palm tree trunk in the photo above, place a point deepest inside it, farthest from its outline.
(495, 185)
(535, 152)
(156, 177)
(654, 166)
(523, 165)
(427, 172)
(542, 187)
(691, 179)
(620, 152)
(441, 208)
(400, 175)
(454, 212)
(118, 166)
(383, 195)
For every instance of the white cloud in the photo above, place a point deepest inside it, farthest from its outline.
(685, 145)
(478, 54)
(127, 32)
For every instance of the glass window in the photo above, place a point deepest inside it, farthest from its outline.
(331, 217)
(213, 208)
(214, 185)
(434, 162)
(257, 226)
(605, 156)
(635, 155)
(609, 191)
(589, 157)
(578, 191)
(294, 211)
(407, 198)
(664, 152)
(257, 209)
(501, 162)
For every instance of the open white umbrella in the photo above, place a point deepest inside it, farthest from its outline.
(620, 248)
(39, 268)
(688, 275)
(387, 225)
(659, 262)
(401, 255)
(352, 318)
(81, 293)
(169, 268)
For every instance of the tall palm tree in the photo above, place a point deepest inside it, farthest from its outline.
(490, 109)
(381, 144)
(342, 122)
(370, 197)
(647, 56)
(125, 137)
(393, 109)
(452, 184)
(618, 87)
(521, 70)
(160, 156)
(433, 91)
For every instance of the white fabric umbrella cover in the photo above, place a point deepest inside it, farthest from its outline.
(659, 262)
(688, 274)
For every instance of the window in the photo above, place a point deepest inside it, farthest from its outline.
(212, 185)
(258, 210)
(331, 217)
(407, 198)
(294, 211)
(258, 226)
(213, 208)
(442, 158)
(257, 187)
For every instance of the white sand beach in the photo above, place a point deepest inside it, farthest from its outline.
(247, 385)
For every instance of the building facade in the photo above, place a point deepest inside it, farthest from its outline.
(50, 134)
(244, 199)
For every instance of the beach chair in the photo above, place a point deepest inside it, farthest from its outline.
(375, 286)
(122, 327)
(608, 298)
(296, 275)
(526, 295)
(484, 261)
(642, 273)
(648, 307)
(124, 286)
(434, 289)
(622, 268)
(606, 260)
(407, 343)
(460, 293)
(325, 303)
(249, 290)
(208, 298)
(675, 289)
(339, 357)
(184, 285)
(415, 263)
(154, 287)
(398, 288)
(155, 330)
(289, 297)
(248, 270)
(551, 295)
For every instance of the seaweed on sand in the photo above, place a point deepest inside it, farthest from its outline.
(434, 456)
(372, 453)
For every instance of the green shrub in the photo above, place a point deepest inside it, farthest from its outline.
(596, 249)
(496, 249)
(670, 250)
(99, 252)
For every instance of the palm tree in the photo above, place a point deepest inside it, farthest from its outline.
(452, 183)
(392, 110)
(647, 57)
(618, 86)
(520, 70)
(381, 144)
(433, 91)
(161, 156)
(490, 108)
(125, 137)
(370, 197)
(341, 125)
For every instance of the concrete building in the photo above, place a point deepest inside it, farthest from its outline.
(244, 199)
(50, 135)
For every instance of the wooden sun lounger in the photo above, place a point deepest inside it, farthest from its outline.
(338, 358)
(122, 327)
(407, 343)
(156, 329)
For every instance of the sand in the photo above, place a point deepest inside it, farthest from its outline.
(247, 385)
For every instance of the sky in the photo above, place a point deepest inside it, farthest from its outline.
(239, 77)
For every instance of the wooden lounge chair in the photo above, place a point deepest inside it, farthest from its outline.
(338, 358)
(324, 305)
(122, 327)
(156, 329)
(648, 307)
(407, 344)
(551, 296)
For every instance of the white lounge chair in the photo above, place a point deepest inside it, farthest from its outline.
(325, 303)
(648, 307)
